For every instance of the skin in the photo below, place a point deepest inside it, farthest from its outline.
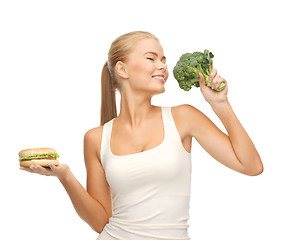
(138, 127)
(137, 84)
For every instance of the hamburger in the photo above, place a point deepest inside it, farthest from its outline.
(38, 156)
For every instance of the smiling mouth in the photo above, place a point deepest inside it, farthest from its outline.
(160, 78)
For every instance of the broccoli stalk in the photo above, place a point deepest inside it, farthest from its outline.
(188, 67)
(207, 76)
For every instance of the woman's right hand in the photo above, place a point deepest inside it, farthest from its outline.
(59, 171)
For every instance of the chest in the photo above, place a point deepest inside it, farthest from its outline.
(123, 142)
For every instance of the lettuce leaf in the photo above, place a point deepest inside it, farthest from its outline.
(40, 156)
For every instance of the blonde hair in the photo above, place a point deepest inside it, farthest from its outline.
(119, 50)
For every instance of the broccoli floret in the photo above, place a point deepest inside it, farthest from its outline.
(188, 67)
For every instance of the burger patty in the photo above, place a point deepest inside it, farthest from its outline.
(46, 158)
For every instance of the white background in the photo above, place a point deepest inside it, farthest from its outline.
(51, 56)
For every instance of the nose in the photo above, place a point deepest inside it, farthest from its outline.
(164, 70)
(163, 66)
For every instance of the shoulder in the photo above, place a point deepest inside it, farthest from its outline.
(184, 111)
(93, 138)
(190, 118)
(93, 133)
(182, 108)
(181, 116)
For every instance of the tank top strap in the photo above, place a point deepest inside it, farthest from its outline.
(167, 121)
(172, 132)
(171, 138)
(105, 140)
(169, 126)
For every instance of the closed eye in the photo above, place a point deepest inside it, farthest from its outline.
(153, 60)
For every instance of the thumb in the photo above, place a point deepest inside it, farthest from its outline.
(201, 80)
(52, 166)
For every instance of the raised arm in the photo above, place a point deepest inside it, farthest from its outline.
(235, 150)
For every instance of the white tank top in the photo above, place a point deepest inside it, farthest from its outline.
(150, 190)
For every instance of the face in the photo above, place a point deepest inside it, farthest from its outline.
(143, 64)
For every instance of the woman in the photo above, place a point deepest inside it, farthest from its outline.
(144, 172)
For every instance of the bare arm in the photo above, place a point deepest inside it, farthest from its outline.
(91, 204)
(235, 150)
(89, 209)
(240, 141)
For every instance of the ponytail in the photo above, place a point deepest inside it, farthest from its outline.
(108, 100)
(120, 48)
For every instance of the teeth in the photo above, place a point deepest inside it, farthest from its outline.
(159, 77)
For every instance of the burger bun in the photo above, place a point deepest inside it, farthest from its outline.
(42, 162)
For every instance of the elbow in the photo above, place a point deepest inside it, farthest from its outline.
(261, 170)
(254, 168)
(99, 227)
(96, 229)
(255, 171)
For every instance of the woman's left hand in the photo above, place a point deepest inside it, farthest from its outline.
(210, 95)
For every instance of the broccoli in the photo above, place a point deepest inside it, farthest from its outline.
(188, 67)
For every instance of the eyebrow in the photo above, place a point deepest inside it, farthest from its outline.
(156, 54)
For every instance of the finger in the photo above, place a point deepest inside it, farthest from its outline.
(41, 170)
(201, 80)
(216, 80)
(220, 81)
(26, 169)
(52, 167)
(35, 169)
(45, 171)
(213, 74)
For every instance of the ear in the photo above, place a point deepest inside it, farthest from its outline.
(121, 69)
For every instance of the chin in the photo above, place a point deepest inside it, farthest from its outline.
(159, 91)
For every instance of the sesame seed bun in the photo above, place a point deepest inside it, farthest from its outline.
(33, 156)
(33, 151)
